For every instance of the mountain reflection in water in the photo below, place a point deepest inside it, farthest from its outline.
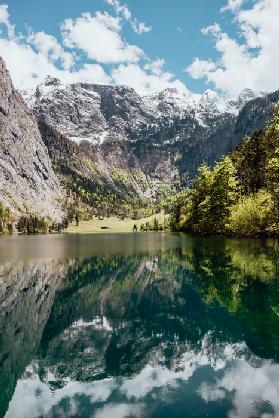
(187, 330)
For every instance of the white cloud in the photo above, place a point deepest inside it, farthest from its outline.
(98, 36)
(151, 378)
(144, 81)
(49, 47)
(200, 68)
(123, 10)
(233, 5)
(25, 65)
(156, 67)
(212, 29)
(140, 27)
(92, 73)
(250, 61)
(32, 57)
(33, 397)
(27, 404)
(120, 9)
(29, 68)
(250, 387)
(4, 14)
(4, 19)
(120, 411)
(244, 380)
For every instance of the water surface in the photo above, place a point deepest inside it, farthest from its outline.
(138, 325)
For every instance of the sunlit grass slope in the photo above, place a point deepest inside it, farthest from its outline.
(114, 224)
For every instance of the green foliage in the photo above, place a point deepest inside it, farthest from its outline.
(28, 223)
(250, 159)
(180, 210)
(252, 215)
(91, 198)
(240, 195)
(214, 192)
(169, 195)
(89, 193)
(155, 225)
(33, 224)
(272, 182)
(5, 218)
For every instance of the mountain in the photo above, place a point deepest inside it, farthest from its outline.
(110, 147)
(98, 114)
(28, 183)
(133, 144)
(255, 114)
(27, 292)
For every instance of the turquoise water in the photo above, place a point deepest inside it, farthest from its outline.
(138, 325)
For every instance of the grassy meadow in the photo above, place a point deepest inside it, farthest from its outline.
(114, 224)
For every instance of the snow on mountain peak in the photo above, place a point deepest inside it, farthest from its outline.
(172, 102)
(213, 102)
(97, 113)
(49, 83)
(245, 96)
(52, 81)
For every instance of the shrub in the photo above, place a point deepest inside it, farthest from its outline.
(252, 215)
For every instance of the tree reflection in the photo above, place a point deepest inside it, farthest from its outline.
(122, 316)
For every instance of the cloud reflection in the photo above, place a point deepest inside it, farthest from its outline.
(254, 389)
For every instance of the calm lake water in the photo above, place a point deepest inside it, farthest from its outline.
(138, 325)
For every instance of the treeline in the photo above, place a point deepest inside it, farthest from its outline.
(156, 224)
(27, 224)
(89, 197)
(5, 220)
(240, 195)
(89, 193)
(33, 224)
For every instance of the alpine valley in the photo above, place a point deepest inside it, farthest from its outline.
(110, 150)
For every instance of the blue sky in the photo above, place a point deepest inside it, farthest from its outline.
(231, 50)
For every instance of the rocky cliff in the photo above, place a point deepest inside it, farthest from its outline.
(28, 183)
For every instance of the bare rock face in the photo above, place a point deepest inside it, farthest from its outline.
(27, 181)
(95, 113)
(99, 113)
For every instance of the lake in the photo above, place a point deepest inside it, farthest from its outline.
(138, 325)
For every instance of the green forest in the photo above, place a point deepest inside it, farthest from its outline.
(240, 195)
